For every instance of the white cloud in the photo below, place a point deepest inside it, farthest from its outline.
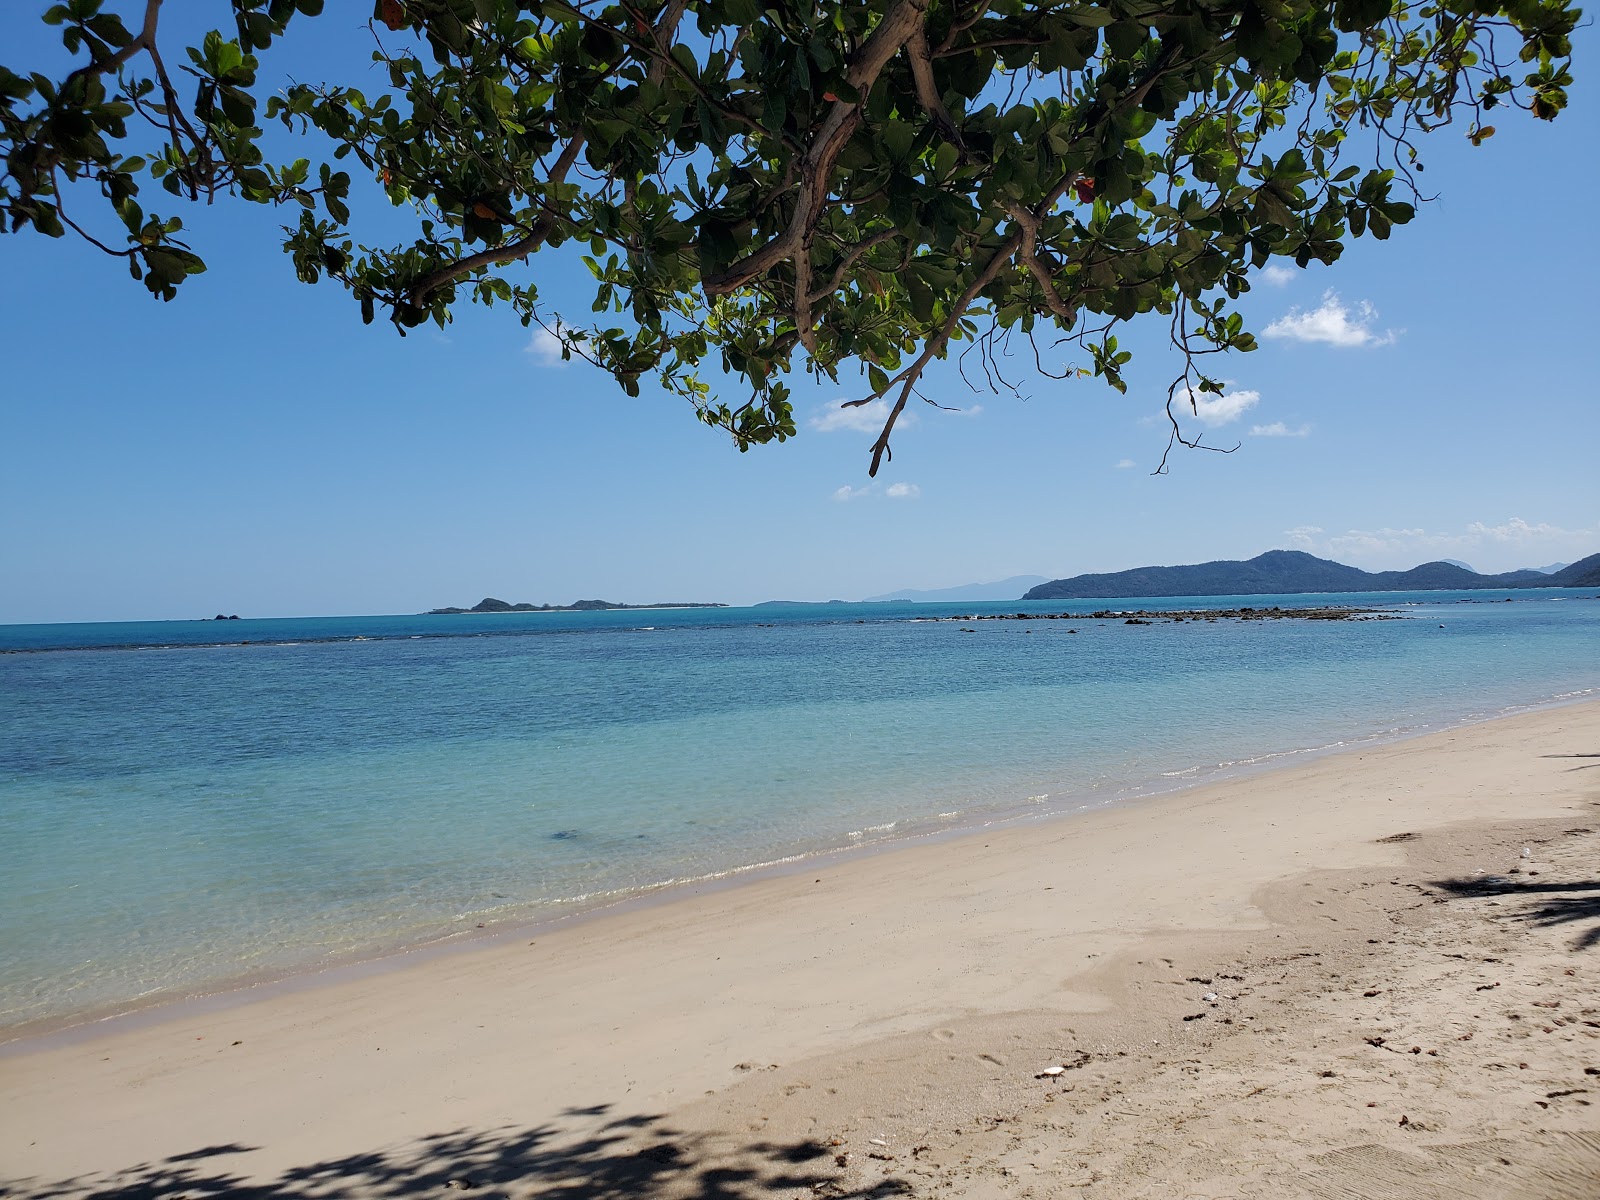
(1124, 464)
(1277, 276)
(544, 348)
(1213, 410)
(895, 491)
(1519, 531)
(865, 418)
(1332, 323)
(1507, 544)
(1367, 542)
(1279, 429)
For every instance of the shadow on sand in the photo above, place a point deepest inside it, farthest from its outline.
(621, 1157)
(1549, 904)
(1585, 766)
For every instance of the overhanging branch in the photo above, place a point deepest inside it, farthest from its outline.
(899, 24)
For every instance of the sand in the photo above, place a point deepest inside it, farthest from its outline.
(1263, 987)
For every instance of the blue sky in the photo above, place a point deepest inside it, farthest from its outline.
(252, 448)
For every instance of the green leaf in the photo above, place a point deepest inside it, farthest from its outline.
(922, 296)
(896, 138)
(1090, 16)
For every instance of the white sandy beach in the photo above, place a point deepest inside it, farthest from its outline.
(879, 1026)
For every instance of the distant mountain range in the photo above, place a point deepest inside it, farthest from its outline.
(490, 605)
(1286, 572)
(1547, 570)
(1002, 589)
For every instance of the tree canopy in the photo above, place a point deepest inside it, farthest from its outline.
(763, 186)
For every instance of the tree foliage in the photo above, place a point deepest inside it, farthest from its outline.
(765, 185)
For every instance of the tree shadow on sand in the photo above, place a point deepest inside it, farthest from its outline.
(629, 1156)
(1585, 766)
(1551, 903)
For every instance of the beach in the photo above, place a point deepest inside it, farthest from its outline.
(1230, 978)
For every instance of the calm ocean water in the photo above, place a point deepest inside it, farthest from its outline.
(180, 813)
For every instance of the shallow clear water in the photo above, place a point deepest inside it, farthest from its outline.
(189, 813)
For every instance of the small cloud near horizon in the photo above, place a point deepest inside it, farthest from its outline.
(1277, 276)
(903, 491)
(1279, 430)
(1124, 464)
(1332, 323)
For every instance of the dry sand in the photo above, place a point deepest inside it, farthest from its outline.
(889, 1024)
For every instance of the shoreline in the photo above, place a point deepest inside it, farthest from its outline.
(42, 1034)
(855, 1004)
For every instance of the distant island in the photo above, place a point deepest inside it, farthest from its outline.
(1285, 572)
(490, 605)
(795, 603)
(1003, 589)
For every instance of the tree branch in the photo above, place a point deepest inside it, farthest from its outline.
(902, 20)
(510, 251)
(145, 40)
(661, 33)
(803, 325)
(921, 59)
(850, 260)
(908, 378)
(1027, 253)
(936, 344)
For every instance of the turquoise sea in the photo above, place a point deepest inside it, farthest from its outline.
(189, 804)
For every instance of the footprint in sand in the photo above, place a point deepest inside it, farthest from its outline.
(944, 1035)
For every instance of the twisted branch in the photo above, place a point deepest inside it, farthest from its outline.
(1029, 254)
